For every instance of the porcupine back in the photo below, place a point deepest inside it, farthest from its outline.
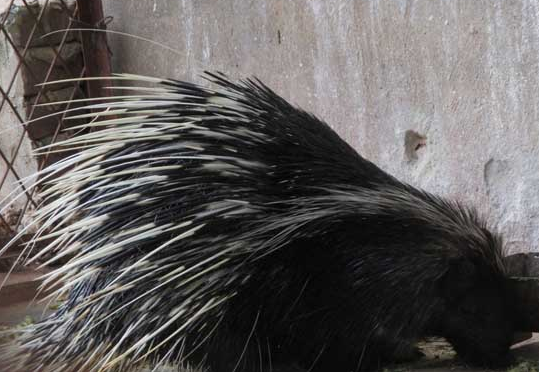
(210, 224)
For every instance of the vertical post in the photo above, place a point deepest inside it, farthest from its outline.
(94, 46)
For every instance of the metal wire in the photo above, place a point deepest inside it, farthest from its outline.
(21, 48)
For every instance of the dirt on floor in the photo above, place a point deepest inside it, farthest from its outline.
(440, 357)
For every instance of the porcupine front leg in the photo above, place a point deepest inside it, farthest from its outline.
(380, 351)
(394, 349)
(405, 354)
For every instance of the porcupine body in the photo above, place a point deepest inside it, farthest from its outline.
(225, 227)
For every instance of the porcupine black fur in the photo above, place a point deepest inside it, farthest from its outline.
(227, 228)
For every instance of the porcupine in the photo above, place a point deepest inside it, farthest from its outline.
(223, 227)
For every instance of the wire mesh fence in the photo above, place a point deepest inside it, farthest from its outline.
(39, 44)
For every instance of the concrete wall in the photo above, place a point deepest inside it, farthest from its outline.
(442, 94)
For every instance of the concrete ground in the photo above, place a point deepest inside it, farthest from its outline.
(18, 307)
(441, 358)
(439, 355)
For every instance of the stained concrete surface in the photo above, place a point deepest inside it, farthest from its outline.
(462, 74)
